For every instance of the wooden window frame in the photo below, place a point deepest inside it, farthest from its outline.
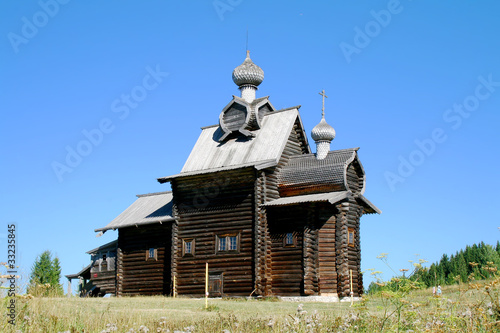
(155, 254)
(351, 241)
(294, 240)
(227, 238)
(184, 243)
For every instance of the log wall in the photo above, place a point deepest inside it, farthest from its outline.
(262, 241)
(327, 255)
(287, 261)
(105, 281)
(311, 253)
(207, 206)
(267, 190)
(348, 257)
(137, 274)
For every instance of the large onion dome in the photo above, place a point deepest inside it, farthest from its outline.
(248, 73)
(323, 131)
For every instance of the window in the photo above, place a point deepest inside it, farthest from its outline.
(152, 254)
(222, 244)
(233, 243)
(289, 239)
(228, 243)
(187, 247)
(350, 237)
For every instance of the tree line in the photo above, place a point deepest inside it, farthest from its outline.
(479, 261)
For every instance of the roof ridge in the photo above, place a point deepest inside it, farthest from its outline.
(151, 194)
(103, 246)
(332, 151)
(296, 107)
(209, 126)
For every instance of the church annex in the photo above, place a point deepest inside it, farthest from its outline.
(269, 216)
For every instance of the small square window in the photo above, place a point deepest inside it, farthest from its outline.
(188, 247)
(152, 253)
(350, 237)
(289, 239)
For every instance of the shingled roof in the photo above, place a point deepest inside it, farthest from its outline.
(306, 171)
(264, 150)
(147, 209)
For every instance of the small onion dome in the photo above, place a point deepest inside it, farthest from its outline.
(248, 73)
(323, 131)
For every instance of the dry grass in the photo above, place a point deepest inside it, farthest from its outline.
(464, 308)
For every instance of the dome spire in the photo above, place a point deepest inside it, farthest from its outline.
(247, 77)
(322, 134)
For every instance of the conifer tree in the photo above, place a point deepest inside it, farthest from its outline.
(45, 276)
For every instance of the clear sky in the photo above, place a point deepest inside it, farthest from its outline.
(127, 85)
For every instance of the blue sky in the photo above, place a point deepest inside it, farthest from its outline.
(415, 84)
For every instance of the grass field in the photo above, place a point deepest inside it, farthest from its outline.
(464, 308)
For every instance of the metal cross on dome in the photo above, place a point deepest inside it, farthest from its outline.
(322, 93)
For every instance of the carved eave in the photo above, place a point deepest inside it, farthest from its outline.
(250, 119)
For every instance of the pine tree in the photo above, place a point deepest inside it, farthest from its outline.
(45, 276)
(462, 267)
(56, 276)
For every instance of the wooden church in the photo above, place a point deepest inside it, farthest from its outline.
(269, 216)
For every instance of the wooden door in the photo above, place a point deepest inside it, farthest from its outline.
(215, 285)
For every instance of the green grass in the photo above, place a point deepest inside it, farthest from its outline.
(464, 308)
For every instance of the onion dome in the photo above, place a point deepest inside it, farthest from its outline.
(323, 131)
(248, 73)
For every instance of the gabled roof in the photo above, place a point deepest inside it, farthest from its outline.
(265, 149)
(147, 209)
(110, 245)
(369, 207)
(307, 171)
